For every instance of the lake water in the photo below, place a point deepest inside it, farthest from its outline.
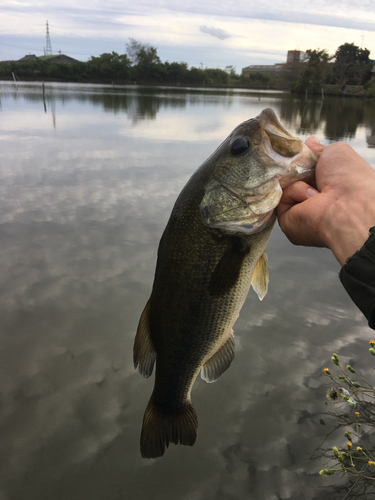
(88, 177)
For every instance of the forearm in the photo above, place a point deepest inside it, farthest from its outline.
(347, 223)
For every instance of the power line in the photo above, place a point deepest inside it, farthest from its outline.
(18, 47)
(28, 48)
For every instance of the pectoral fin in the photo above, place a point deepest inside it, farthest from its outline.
(220, 361)
(144, 354)
(261, 277)
(228, 269)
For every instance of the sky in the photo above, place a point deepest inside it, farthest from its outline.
(201, 33)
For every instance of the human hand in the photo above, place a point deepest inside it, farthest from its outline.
(339, 213)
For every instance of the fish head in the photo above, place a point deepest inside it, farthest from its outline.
(252, 167)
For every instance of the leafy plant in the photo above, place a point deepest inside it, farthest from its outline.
(356, 459)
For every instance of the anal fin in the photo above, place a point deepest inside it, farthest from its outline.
(144, 354)
(220, 361)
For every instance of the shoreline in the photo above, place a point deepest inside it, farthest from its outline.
(327, 91)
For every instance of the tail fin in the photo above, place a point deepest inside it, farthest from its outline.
(162, 426)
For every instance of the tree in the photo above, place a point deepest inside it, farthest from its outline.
(314, 74)
(141, 53)
(351, 65)
(176, 72)
(109, 66)
(231, 70)
(146, 62)
(257, 79)
(216, 76)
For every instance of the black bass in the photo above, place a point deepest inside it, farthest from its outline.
(211, 252)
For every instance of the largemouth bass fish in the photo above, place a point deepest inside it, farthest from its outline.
(211, 252)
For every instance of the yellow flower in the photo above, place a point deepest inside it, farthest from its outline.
(371, 463)
(372, 342)
(326, 371)
(356, 413)
(350, 446)
(335, 359)
(359, 448)
(327, 472)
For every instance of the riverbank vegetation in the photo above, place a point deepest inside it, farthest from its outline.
(357, 458)
(347, 72)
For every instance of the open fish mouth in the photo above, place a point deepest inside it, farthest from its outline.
(290, 153)
(246, 184)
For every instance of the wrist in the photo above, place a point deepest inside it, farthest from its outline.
(347, 226)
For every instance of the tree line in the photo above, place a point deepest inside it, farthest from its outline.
(140, 64)
(350, 65)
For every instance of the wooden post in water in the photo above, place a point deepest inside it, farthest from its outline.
(322, 94)
(44, 98)
(15, 81)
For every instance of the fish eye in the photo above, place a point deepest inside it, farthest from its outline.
(239, 146)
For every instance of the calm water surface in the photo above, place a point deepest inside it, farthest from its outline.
(88, 177)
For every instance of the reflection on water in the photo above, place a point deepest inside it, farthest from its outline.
(86, 190)
(336, 118)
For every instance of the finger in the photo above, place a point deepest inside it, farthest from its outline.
(295, 193)
(314, 144)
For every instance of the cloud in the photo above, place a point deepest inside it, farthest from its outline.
(254, 32)
(217, 32)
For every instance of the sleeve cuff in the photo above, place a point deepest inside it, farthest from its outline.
(358, 278)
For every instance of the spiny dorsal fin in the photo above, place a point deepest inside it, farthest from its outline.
(261, 277)
(220, 361)
(144, 354)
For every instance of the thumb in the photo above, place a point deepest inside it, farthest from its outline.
(314, 144)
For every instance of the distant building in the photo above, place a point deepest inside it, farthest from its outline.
(30, 57)
(271, 70)
(60, 58)
(293, 56)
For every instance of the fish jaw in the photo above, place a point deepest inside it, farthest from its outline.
(245, 189)
(296, 160)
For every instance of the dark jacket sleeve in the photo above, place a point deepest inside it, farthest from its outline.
(358, 277)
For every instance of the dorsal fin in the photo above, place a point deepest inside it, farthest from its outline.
(261, 277)
(220, 361)
(144, 354)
